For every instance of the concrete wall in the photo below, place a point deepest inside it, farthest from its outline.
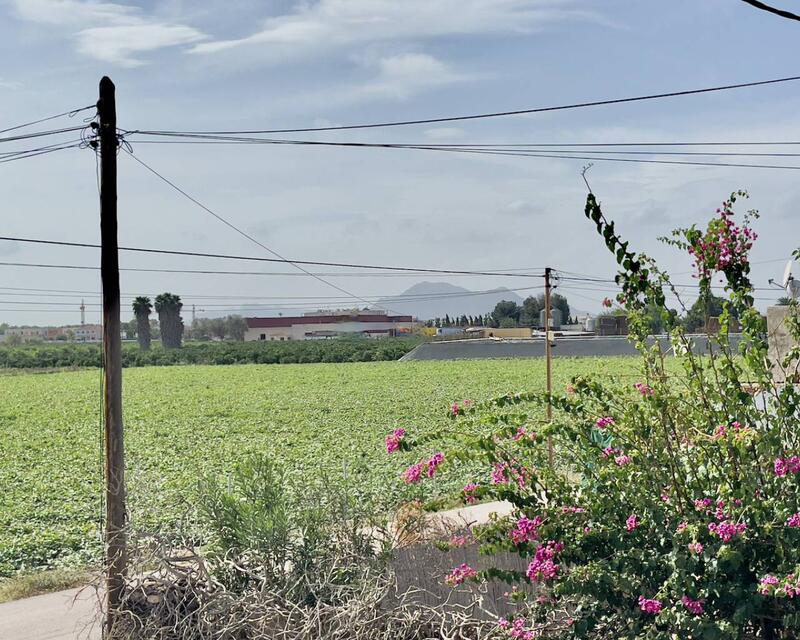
(780, 342)
(567, 347)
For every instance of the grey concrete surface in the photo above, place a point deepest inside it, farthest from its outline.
(564, 347)
(780, 342)
(64, 615)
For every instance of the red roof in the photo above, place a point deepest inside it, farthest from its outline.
(288, 321)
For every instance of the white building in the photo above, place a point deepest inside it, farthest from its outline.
(320, 325)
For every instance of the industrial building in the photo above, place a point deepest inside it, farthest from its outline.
(321, 325)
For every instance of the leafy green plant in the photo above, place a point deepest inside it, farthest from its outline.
(305, 540)
(186, 422)
(43, 356)
(672, 508)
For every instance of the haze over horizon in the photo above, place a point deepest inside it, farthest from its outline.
(236, 65)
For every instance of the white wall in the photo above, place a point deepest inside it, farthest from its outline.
(298, 331)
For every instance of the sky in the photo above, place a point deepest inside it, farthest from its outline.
(243, 65)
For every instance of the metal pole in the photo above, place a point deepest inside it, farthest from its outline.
(116, 553)
(548, 353)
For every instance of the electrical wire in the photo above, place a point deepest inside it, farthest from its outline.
(566, 155)
(332, 274)
(71, 113)
(221, 139)
(484, 148)
(241, 232)
(498, 114)
(41, 134)
(32, 293)
(263, 259)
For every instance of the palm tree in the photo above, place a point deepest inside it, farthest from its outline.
(141, 309)
(168, 307)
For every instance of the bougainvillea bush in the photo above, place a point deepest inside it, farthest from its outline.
(670, 507)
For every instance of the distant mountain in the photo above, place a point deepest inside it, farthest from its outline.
(428, 300)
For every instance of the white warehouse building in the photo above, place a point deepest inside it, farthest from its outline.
(318, 325)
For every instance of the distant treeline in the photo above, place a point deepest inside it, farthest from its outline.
(44, 356)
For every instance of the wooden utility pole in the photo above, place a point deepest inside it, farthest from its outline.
(116, 553)
(548, 356)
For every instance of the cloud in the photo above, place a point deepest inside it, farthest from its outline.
(403, 75)
(522, 208)
(119, 44)
(111, 32)
(330, 23)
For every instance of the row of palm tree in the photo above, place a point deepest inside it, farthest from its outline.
(168, 307)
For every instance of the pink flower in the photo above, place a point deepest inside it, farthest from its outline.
(607, 302)
(631, 523)
(650, 606)
(703, 504)
(516, 629)
(681, 527)
(434, 462)
(454, 409)
(622, 460)
(413, 473)
(644, 389)
(461, 573)
(726, 530)
(470, 490)
(394, 439)
(604, 422)
(696, 547)
(503, 473)
(521, 433)
(694, 606)
(608, 452)
(543, 567)
(784, 466)
(573, 510)
(794, 520)
(459, 541)
(526, 530)
(766, 584)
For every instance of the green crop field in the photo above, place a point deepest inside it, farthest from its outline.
(183, 422)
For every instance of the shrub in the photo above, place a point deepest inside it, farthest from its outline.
(671, 509)
(41, 356)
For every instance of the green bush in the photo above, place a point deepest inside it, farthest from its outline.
(671, 508)
(59, 355)
(301, 538)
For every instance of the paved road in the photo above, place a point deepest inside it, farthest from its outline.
(565, 347)
(64, 615)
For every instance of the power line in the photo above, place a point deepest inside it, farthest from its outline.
(41, 134)
(332, 274)
(197, 138)
(498, 114)
(263, 259)
(519, 148)
(30, 153)
(499, 152)
(241, 232)
(779, 12)
(58, 115)
(395, 298)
